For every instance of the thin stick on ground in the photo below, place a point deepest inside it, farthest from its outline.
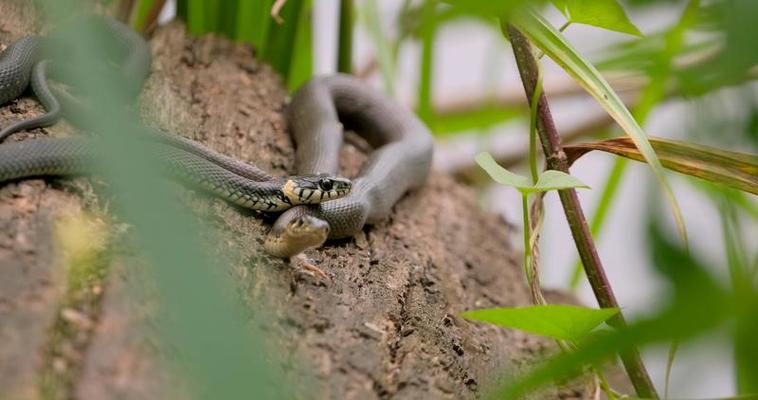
(556, 159)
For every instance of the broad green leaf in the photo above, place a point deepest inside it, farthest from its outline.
(557, 321)
(552, 43)
(557, 180)
(500, 174)
(606, 14)
(737, 170)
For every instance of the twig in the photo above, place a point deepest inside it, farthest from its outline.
(556, 159)
(275, 9)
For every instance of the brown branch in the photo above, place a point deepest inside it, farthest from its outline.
(556, 159)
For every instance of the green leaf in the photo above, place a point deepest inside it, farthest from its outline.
(500, 174)
(557, 180)
(737, 170)
(548, 180)
(552, 43)
(557, 321)
(606, 14)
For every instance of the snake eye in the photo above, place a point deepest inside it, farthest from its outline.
(325, 184)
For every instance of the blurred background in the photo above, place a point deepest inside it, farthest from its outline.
(463, 80)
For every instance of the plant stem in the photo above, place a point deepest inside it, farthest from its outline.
(556, 159)
(527, 239)
(345, 51)
(610, 188)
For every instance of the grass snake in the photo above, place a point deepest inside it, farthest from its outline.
(318, 203)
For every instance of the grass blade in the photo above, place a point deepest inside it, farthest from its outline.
(253, 21)
(280, 41)
(301, 68)
(196, 16)
(737, 170)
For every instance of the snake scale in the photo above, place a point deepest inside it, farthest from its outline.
(317, 203)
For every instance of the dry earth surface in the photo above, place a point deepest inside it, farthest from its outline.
(383, 325)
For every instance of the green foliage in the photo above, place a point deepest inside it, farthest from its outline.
(286, 46)
(558, 321)
(550, 41)
(606, 14)
(698, 304)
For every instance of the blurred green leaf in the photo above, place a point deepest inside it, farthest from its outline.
(548, 180)
(606, 14)
(552, 42)
(492, 9)
(253, 21)
(301, 68)
(204, 329)
(697, 305)
(558, 321)
(737, 170)
(369, 16)
(196, 16)
(737, 20)
(428, 33)
(227, 17)
(282, 39)
(481, 118)
(181, 9)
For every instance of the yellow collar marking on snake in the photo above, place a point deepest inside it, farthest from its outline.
(289, 190)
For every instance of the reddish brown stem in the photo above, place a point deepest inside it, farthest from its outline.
(556, 160)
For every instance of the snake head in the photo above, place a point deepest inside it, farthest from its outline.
(306, 231)
(313, 189)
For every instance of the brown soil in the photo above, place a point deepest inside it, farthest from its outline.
(383, 325)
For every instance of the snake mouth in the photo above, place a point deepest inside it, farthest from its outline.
(314, 189)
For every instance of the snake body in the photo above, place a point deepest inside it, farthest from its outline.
(336, 207)
(400, 161)
(28, 60)
(73, 156)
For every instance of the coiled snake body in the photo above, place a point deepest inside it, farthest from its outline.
(317, 202)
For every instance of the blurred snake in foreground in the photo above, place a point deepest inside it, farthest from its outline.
(317, 204)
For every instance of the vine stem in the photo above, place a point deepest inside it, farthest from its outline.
(556, 160)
